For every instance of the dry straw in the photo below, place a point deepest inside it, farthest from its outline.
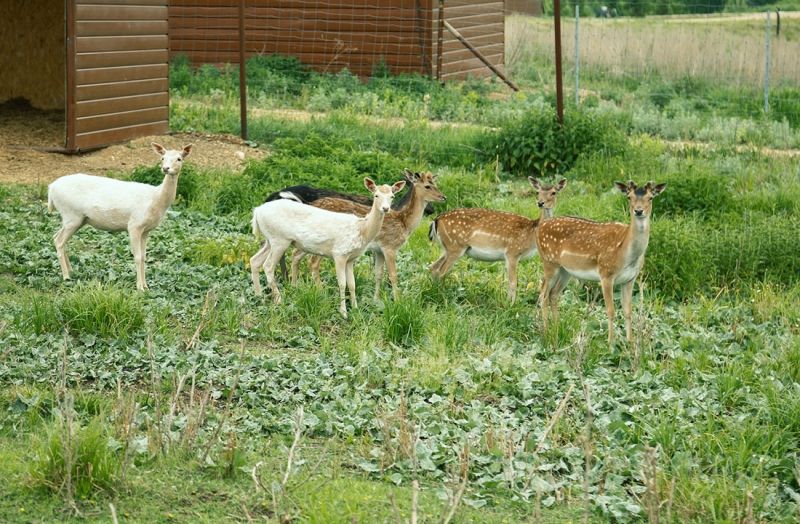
(720, 49)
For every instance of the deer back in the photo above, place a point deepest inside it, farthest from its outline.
(580, 245)
(487, 229)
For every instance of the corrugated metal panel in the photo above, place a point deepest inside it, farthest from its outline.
(327, 35)
(120, 82)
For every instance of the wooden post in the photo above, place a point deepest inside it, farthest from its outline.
(70, 76)
(482, 58)
(439, 40)
(242, 73)
(559, 73)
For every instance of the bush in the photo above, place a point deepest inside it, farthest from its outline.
(188, 183)
(536, 144)
(695, 190)
(221, 251)
(102, 310)
(687, 256)
(94, 466)
(403, 324)
(38, 314)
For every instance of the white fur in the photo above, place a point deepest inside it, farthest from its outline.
(114, 205)
(341, 236)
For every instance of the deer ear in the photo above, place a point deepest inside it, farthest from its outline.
(658, 188)
(369, 184)
(158, 148)
(535, 182)
(561, 184)
(622, 186)
(398, 186)
(186, 150)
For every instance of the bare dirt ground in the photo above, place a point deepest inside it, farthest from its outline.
(23, 134)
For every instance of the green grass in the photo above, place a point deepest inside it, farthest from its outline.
(194, 383)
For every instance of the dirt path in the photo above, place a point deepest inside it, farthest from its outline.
(26, 165)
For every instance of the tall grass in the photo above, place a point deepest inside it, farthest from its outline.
(730, 52)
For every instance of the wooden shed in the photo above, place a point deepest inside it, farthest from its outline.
(329, 35)
(102, 64)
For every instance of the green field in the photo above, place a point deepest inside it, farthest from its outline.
(199, 402)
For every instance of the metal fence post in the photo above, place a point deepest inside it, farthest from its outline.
(577, 52)
(242, 72)
(766, 63)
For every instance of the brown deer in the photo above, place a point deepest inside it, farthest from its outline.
(609, 252)
(489, 235)
(398, 224)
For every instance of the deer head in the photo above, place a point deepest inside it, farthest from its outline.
(546, 195)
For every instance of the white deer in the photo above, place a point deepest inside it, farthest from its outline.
(340, 236)
(115, 205)
(610, 252)
(397, 226)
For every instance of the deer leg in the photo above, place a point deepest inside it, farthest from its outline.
(391, 265)
(297, 256)
(449, 258)
(608, 297)
(548, 281)
(143, 251)
(136, 249)
(256, 263)
(434, 268)
(316, 261)
(561, 281)
(379, 259)
(341, 278)
(60, 239)
(627, 299)
(273, 259)
(351, 283)
(511, 269)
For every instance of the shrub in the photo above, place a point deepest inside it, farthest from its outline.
(221, 251)
(687, 256)
(85, 459)
(696, 189)
(188, 183)
(38, 314)
(103, 310)
(403, 323)
(537, 144)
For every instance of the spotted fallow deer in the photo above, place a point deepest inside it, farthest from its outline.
(489, 235)
(609, 252)
(397, 226)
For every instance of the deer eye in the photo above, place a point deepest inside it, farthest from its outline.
(427, 186)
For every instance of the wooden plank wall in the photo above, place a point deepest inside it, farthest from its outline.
(121, 88)
(483, 24)
(326, 34)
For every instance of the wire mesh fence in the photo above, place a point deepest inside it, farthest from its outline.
(730, 64)
(679, 70)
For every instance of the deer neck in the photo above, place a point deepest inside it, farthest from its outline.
(637, 238)
(371, 224)
(411, 212)
(166, 194)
